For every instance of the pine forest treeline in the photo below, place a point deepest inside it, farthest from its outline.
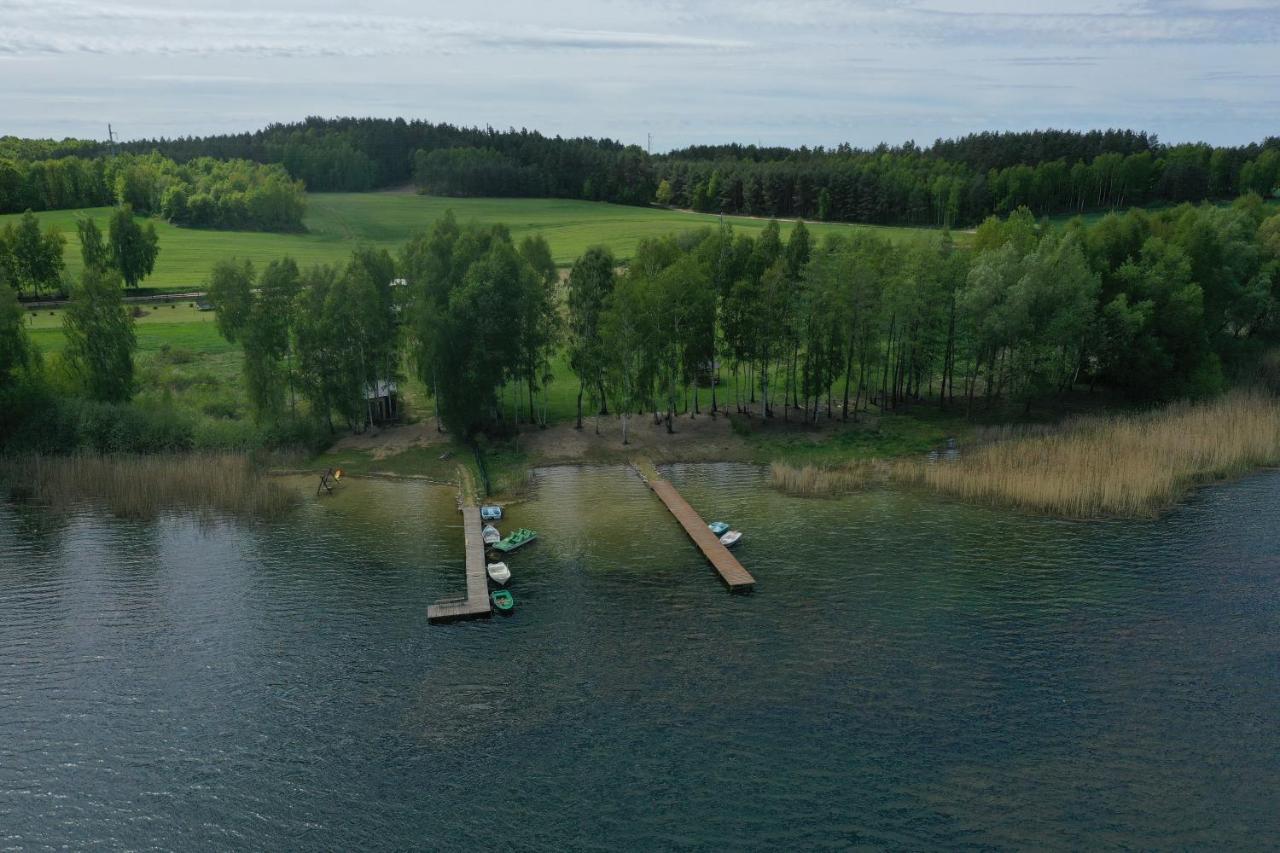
(956, 182)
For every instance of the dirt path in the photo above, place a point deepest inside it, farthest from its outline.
(699, 438)
(388, 442)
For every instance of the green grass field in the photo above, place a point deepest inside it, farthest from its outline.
(337, 222)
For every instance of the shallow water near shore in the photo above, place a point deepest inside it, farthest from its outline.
(910, 673)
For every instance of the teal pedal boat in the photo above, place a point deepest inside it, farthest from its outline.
(503, 601)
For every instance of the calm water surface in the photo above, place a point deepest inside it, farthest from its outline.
(910, 674)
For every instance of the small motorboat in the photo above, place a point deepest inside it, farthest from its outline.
(519, 539)
(491, 513)
(719, 528)
(490, 535)
(499, 573)
(731, 538)
(503, 601)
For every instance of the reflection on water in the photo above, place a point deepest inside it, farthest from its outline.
(909, 673)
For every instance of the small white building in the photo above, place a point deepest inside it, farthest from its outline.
(383, 400)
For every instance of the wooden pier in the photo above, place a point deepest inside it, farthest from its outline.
(476, 603)
(731, 571)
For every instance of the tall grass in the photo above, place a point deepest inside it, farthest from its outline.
(146, 486)
(1117, 466)
(813, 481)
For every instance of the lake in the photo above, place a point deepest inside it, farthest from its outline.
(910, 673)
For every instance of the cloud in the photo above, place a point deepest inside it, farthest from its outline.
(72, 26)
(1052, 61)
(195, 78)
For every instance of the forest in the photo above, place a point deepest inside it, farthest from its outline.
(951, 183)
(1176, 304)
(200, 193)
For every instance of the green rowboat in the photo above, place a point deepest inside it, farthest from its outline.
(503, 601)
(519, 538)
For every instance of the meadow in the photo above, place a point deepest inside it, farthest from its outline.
(338, 222)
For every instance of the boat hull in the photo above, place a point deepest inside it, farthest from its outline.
(516, 540)
(503, 602)
(499, 573)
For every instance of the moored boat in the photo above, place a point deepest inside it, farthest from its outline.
(518, 539)
(490, 535)
(731, 538)
(499, 573)
(491, 512)
(719, 528)
(503, 601)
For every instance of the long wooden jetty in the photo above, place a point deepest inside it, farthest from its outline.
(476, 603)
(731, 571)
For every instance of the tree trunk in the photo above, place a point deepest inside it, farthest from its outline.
(579, 405)
(888, 356)
(848, 369)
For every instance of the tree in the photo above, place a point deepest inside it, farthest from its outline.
(482, 354)
(230, 292)
(591, 281)
(100, 336)
(539, 321)
(321, 343)
(93, 250)
(664, 194)
(36, 256)
(267, 337)
(798, 250)
(628, 326)
(337, 333)
(15, 349)
(467, 285)
(133, 248)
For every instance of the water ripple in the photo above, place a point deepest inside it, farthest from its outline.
(910, 674)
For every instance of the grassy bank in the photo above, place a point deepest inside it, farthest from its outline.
(1113, 466)
(338, 222)
(148, 486)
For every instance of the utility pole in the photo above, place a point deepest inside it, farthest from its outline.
(111, 138)
(648, 145)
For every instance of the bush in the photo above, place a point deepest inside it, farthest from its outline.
(172, 355)
(225, 409)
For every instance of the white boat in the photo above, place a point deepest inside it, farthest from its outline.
(490, 535)
(731, 538)
(499, 573)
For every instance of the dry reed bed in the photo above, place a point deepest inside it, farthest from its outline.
(1119, 466)
(1089, 467)
(147, 486)
(812, 481)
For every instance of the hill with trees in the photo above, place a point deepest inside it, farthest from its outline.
(955, 182)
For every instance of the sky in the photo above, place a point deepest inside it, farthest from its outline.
(678, 72)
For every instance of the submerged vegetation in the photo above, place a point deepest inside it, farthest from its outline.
(132, 486)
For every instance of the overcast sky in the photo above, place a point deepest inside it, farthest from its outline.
(686, 71)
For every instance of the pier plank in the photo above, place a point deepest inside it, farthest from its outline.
(731, 571)
(476, 603)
